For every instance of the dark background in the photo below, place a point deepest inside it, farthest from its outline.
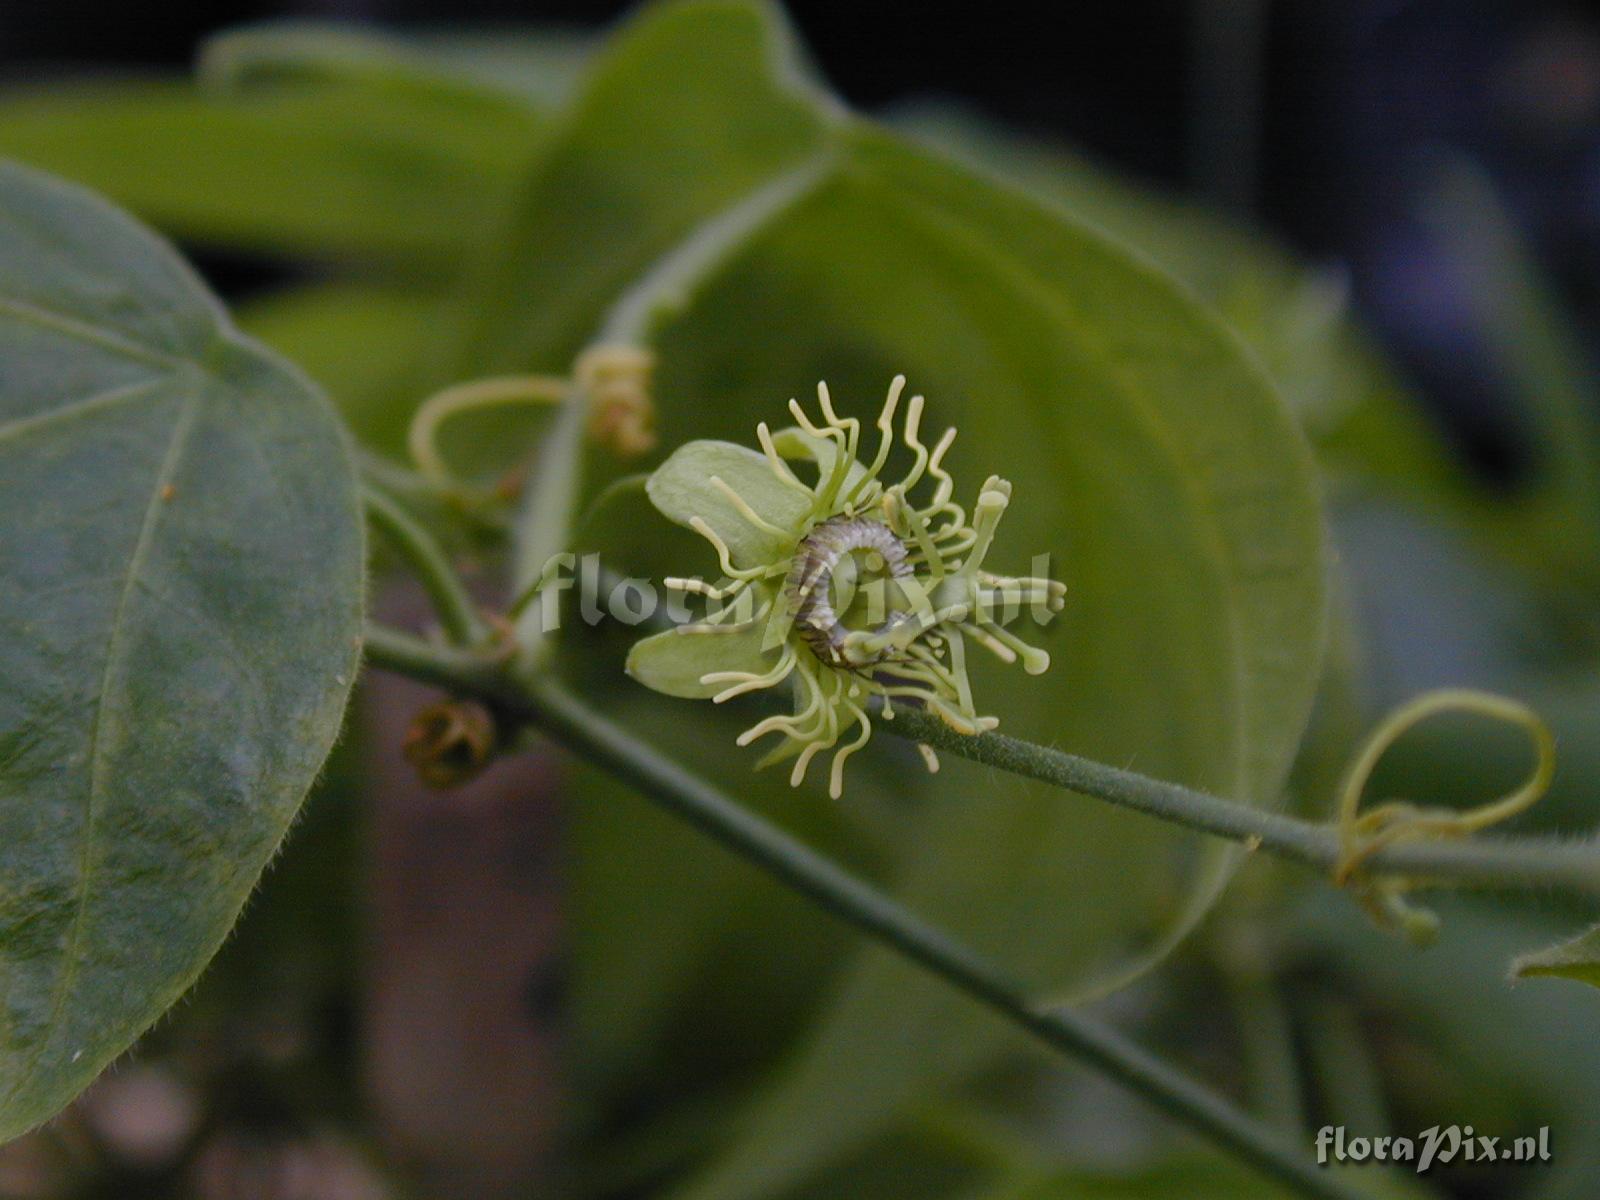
(1314, 119)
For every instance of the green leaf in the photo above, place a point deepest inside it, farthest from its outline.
(330, 169)
(1155, 464)
(1577, 959)
(691, 108)
(537, 69)
(1365, 427)
(180, 613)
(681, 489)
(674, 661)
(365, 344)
(1541, 357)
(1152, 459)
(540, 63)
(1461, 1047)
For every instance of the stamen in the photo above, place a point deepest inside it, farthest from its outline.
(836, 775)
(990, 643)
(724, 558)
(946, 485)
(913, 424)
(742, 506)
(775, 460)
(992, 502)
(958, 668)
(885, 426)
(1034, 660)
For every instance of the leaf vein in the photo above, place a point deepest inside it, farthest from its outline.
(85, 331)
(141, 549)
(106, 399)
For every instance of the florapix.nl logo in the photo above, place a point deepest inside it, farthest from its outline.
(1439, 1144)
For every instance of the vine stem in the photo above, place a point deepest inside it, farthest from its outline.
(1486, 861)
(592, 736)
(458, 614)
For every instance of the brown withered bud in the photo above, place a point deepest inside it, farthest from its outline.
(450, 742)
(622, 416)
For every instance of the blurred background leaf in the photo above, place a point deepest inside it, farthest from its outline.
(330, 170)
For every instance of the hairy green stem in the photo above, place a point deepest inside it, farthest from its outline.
(1486, 861)
(1491, 862)
(448, 667)
(591, 735)
(458, 613)
(544, 519)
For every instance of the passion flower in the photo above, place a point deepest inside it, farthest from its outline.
(854, 595)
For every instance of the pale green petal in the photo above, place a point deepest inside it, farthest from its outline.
(795, 442)
(681, 488)
(673, 662)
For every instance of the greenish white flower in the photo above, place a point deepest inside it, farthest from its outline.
(852, 594)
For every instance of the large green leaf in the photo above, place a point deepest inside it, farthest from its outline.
(327, 167)
(1152, 459)
(180, 607)
(1156, 465)
(1539, 351)
(537, 66)
(1297, 319)
(1469, 1049)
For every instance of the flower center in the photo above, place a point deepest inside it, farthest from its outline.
(842, 582)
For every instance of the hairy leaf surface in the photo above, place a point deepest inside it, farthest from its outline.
(180, 606)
